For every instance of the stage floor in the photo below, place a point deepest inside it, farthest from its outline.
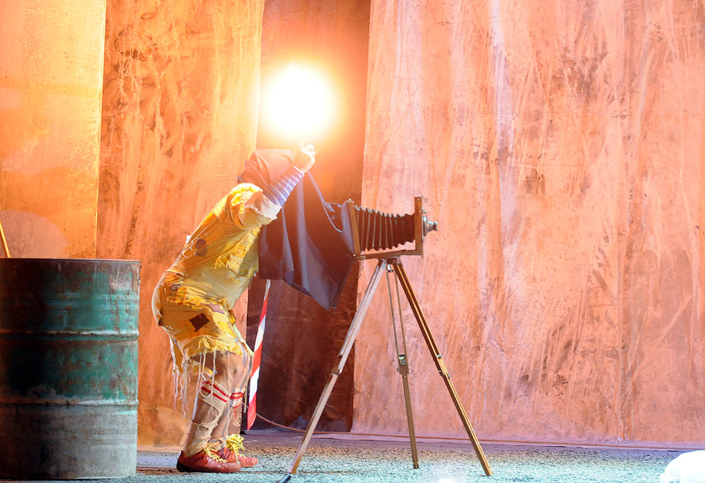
(349, 458)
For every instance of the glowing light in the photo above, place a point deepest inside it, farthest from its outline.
(299, 103)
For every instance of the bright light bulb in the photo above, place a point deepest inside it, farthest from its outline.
(299, 103)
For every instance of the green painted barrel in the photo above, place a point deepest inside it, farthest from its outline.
(68, 368)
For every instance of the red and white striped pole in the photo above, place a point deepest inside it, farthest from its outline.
(252, 400)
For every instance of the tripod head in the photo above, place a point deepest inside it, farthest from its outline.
(375, 233)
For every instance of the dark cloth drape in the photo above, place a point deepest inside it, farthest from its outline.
(309, 245)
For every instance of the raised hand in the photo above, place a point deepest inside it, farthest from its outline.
(305, 158)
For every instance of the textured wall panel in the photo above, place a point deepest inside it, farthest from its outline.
(560, 146)
(51, 67)
(179, 117)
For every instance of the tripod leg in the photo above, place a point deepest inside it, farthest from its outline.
(342, 357)
(404, 371)
(403, 366)
(440, 365)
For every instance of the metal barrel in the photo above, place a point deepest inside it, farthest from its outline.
(68, 368)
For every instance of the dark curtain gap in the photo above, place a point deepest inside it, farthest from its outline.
(302, 340)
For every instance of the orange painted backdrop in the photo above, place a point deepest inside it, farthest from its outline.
(561, 147)
(51, 71)
(180, 103)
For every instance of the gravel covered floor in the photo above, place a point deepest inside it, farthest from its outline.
(345, 458)
(350, 459)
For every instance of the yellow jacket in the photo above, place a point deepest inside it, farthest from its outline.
(192, 301)
(220, 258)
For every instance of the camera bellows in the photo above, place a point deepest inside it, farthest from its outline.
(382, 231)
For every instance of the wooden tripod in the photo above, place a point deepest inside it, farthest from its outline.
(391, 264)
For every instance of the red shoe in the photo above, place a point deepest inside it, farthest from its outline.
(231, 452)
(206, 461)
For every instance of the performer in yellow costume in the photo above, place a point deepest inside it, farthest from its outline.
(193, 303)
